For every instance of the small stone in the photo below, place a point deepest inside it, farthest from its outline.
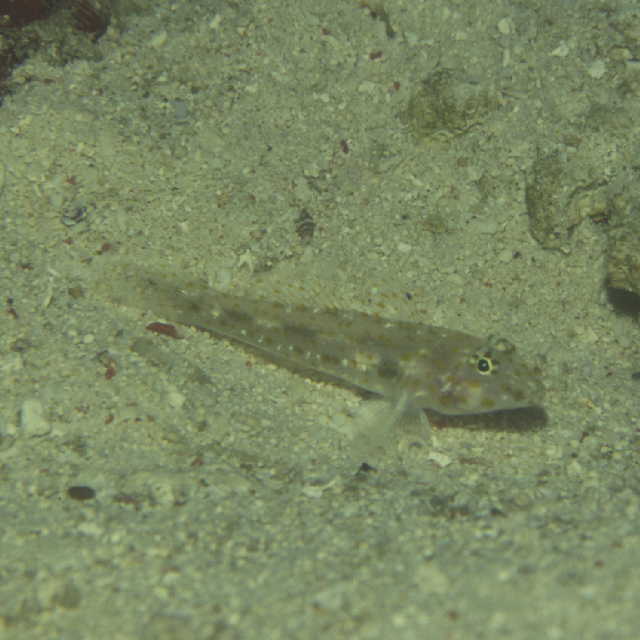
(176, 399)
(159, 40)
(32, 420)
(504, 26)
(561, 51)
(81, 492)
(597, 69)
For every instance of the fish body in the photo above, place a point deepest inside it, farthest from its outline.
(418, 365)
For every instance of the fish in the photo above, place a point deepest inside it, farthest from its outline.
(415, 366)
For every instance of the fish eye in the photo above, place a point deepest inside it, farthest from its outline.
(484, 365)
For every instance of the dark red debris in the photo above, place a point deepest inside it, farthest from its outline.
(91, 17)
(163, 329)
(18, 13)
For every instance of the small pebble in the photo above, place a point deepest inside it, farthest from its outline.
(159, 40)
(81, 492)
(32, 420)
